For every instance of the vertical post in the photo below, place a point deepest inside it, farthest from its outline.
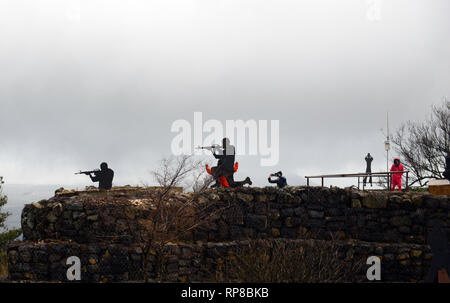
(358, 182)
(387, 160)
(322, 181)
(407, 186)
(389, 181)
(307, 181)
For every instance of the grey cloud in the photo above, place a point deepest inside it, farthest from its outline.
(82, 82)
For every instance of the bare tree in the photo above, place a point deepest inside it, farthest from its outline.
(313, 261)
(174, 215)
(424, 145)
(182, 171)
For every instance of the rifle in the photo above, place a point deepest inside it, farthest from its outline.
(212, 147)
(87, 172)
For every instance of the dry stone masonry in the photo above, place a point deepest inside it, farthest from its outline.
(106, 231)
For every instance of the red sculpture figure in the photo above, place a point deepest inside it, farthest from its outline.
(223, 180)
(397, 177)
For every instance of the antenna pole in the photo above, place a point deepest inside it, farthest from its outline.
(387, 139)
(387, 147)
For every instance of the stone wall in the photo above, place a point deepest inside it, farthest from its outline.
(251, 213)
(201, 262)
(106, 230)
(324, 213)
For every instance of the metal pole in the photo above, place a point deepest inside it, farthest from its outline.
(388, 181)
(322, 181)
(387, 160)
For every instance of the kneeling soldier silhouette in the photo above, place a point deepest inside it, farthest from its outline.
(226, 167)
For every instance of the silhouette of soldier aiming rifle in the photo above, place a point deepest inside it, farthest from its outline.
(104, 176)
(225, 165)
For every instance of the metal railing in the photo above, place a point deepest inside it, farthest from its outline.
(387, 175)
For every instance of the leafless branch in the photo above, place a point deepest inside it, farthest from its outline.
(424, 145)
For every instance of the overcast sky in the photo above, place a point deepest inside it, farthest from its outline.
(83, 82)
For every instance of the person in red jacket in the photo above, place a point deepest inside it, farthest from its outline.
(397, 178)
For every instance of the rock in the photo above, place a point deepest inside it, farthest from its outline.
(274, 215)
(186, 253)
(261, 198)
(401, 221)
(416, 253)
(404, 229)
(289, 232)
(316, 214)
(245, 197)
(12, 256)
(37, 205)
(92, 218)
(379, 250)
(54, 258)
(172, 267)
(292, 221)
(121, 225)
(51, 217)
(275, 232)
(417, 200)
(287, 212)
(432, 202)
(258, 222)
(403, 256)
(74, 205)
(396, 199)
(356, 203)
(373, 201)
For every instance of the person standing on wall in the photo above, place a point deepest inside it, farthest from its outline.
(397, 177)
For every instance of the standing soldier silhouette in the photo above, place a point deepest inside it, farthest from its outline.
(104, 176)
(369, 160)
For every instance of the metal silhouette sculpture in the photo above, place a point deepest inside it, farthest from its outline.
(104, 176)
(369, 160)
(280, 180)
(223, 173)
